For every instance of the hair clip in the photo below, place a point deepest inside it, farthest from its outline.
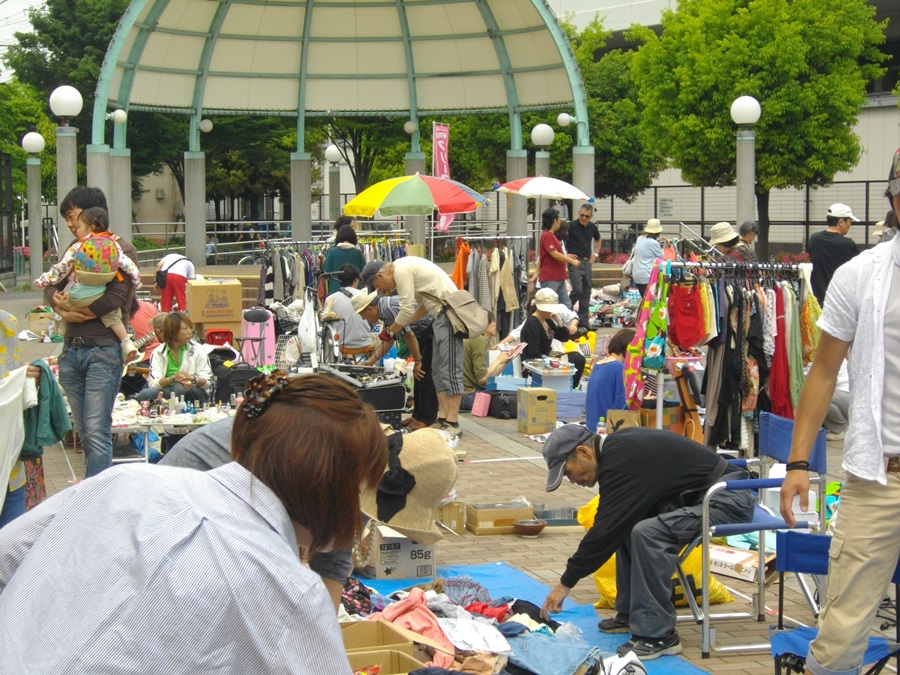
(260, 391)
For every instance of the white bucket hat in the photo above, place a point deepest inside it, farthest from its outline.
(546, 300)
(653, 226)
(721, 233)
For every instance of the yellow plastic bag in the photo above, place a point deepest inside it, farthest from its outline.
(605, 577)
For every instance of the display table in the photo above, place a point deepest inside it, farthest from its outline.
(128, 420)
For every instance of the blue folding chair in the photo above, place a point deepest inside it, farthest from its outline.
(804, 553)
(775, 440)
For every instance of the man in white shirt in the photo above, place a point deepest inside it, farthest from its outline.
(862, 309)
(353, 333)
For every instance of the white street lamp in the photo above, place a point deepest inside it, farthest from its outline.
(333, 156)
(745, 112)
(33, 143)
(117, 116)
(66, 103)
(542, 136)
(410, 127)
(206, 125)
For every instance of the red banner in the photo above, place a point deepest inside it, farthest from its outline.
(440, 164)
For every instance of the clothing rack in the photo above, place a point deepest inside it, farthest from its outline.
(487, 237)
(272, 243)
(737, 266)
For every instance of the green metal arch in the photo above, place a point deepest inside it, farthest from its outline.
(147, 26)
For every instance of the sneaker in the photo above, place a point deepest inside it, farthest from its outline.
(617, 624)
(835, 437)
(454, 432)
(648, 649)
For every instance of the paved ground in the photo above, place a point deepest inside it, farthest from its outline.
(502, 465)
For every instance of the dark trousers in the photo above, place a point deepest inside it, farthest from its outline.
(581, 277)
(425, 403)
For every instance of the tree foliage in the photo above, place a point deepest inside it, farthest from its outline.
(21, 110)
(806, 61)
(626, 160)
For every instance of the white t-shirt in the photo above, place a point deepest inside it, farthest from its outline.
(183, 267)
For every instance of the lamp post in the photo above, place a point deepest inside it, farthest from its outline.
(542, 136)
(334, 157)
(65, 102)
(33, 144)
(745, 112)
(583, 172)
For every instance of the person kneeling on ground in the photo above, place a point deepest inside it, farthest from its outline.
(651, 485)
(476, 372)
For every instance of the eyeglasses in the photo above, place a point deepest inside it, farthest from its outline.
(584, 216)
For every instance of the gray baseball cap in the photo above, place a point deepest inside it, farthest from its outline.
(560, 444)
(368, 273)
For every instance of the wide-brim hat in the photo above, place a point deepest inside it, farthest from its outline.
(721, 233)
(426, 455)
(546, 300)
(653, 226)
(362, 300)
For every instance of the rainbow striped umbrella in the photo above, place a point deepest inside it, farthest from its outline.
(414, 196)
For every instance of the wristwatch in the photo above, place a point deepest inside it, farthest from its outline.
(193, 379)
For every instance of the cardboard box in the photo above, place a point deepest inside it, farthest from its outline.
(505, 383)
(370, 636)
(737, 563)
(39, 322)
(367, 636)
(214, 300)
(537, 410)
(392, 662)
(453, 516)
(484, 519)
(397, 557)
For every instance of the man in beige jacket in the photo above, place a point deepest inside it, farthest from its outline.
(421, 286)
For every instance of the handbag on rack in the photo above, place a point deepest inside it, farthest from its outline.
(634, 354)
(655, 342)
(627, 272)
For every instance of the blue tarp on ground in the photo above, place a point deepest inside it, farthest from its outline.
(501, 579)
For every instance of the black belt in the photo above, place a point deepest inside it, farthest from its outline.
(78, 342)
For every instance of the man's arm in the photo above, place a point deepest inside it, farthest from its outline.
(113, 298)
(412, 343)
(815, 397)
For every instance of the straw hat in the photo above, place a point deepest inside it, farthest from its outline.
(361, 300)
(721, 233)
(653, 226)
(432, 463)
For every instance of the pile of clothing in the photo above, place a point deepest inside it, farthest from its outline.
(479, 634)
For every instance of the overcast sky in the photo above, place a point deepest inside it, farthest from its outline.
(13, 19)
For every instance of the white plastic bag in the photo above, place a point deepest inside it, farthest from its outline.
(306, 331)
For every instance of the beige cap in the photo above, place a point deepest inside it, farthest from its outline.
(546, 300)
(362, 300)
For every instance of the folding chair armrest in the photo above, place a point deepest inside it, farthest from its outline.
(752, 484)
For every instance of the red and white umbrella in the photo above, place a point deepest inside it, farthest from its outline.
(543, 186)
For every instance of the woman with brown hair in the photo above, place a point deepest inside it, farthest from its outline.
(170, 569)
(179, 366)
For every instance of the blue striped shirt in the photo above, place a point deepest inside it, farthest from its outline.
(147, 569)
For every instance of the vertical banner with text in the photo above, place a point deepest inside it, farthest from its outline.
(440, 165)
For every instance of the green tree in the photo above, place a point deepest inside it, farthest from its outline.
(806, 61)
(22, 110)
(626, 160)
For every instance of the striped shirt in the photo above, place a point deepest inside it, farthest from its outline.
(156, 569)
(389, 309)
